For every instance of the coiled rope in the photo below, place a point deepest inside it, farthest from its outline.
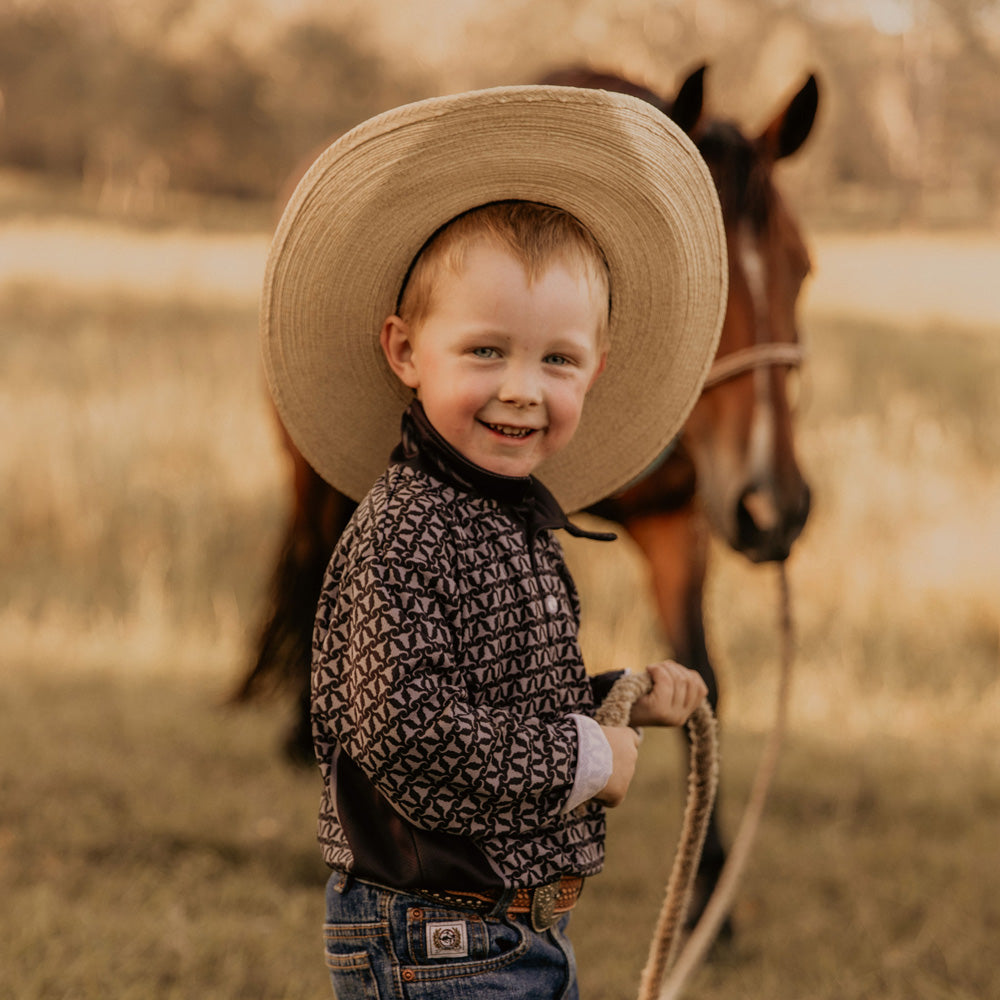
(703, 780)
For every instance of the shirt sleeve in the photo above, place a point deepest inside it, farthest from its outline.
(405, 715)
(601, 684)
(594, 762)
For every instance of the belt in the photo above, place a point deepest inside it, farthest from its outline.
(544, 902)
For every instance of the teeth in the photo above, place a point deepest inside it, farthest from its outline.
(514, 432)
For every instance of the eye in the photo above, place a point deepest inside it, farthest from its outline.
(485, 352)
(557, 359)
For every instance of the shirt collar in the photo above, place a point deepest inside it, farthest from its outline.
(423, 447)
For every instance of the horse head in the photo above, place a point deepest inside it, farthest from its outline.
(739, 435)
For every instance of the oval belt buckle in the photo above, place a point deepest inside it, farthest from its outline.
(543, 904)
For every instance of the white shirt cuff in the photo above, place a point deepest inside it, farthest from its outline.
(594, 762)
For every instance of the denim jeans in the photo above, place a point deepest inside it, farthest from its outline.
(388, 945)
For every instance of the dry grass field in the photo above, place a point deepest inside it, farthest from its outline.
(152, 843)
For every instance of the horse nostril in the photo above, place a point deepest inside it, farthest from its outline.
(748, 533)
(766, 529)
(760, 526)
(805, 506)
(761, 508)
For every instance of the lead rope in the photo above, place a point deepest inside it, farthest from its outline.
(703, 780)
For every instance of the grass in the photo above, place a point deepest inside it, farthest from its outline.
(152, 844)
(858, 886)
(143, 481)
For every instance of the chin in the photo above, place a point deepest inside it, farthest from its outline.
(509, 468)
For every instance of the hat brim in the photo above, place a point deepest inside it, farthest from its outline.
(372, 199)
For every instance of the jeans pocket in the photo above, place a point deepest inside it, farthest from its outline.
(352, 976)
(351, 972)
(436, 935)
(454, 953)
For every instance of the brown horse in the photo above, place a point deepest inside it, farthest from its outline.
(732, 470)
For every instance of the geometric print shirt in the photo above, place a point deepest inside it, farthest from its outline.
(446, 676)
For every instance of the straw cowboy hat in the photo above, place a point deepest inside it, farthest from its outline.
(372, 199)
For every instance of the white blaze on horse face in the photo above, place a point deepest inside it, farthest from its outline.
(760, 500)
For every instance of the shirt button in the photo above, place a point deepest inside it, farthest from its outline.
(551, 604)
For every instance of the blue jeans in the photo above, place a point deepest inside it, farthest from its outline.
(387, 945)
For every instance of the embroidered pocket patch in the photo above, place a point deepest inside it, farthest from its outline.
(447, 939)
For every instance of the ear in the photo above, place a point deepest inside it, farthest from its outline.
(396, 339)
(688, 103)
(791, 127)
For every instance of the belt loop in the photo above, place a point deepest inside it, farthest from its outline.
(501, 905)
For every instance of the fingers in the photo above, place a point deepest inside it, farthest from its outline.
(688, 684)
(677, 692)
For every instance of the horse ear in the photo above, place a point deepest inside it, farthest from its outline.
(687, 106)
(791, 127)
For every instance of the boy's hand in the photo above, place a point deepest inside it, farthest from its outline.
(676, 693)
(625, 751)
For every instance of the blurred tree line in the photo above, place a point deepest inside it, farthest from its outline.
(82, 98)
(909, 127)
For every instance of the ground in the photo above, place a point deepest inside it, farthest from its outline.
(152, 843)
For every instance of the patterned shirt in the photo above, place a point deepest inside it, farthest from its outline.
(446, 672)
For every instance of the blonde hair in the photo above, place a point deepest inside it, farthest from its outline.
(536, 235)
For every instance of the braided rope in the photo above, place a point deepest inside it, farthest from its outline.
(702, 784)
(703, 780)
(616, 708)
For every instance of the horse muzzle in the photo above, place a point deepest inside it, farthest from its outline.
(766, 523)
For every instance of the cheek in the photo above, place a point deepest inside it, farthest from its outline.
(566, 406)
(457, 399)
(466, 395)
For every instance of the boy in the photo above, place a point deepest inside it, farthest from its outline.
(464, 779)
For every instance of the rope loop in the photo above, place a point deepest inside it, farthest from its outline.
(703, 779)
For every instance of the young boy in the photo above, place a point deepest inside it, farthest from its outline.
(465, 780)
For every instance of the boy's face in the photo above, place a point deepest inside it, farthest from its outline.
(502, 367)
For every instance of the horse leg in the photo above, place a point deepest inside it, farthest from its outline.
(675, 545)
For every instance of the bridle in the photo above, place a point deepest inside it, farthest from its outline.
(748, 359)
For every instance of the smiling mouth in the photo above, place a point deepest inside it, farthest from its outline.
(512, 432)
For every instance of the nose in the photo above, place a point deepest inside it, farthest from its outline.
(767, 524)
(520, 385)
